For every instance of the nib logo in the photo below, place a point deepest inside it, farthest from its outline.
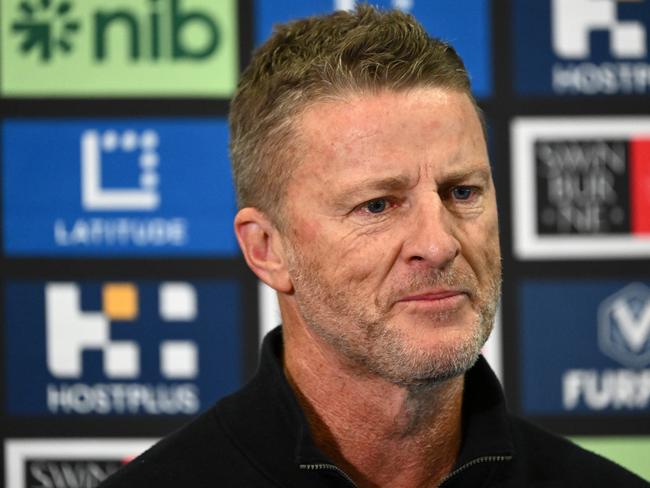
(153, 30)
(45, 26)
(118, 48)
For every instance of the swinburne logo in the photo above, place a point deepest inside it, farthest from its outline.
(623, 335)
(581, 187)
(120, 348)
(106, 40)
(621, 67)
(65, 463)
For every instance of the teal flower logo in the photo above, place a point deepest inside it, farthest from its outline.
(45, 27)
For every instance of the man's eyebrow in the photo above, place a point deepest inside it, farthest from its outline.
(389, 183)
(371, 184)
(482, 173)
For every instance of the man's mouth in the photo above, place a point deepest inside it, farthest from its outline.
(435, 295)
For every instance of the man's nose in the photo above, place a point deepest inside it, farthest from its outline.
(430, 236)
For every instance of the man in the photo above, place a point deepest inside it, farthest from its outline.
(367, 202)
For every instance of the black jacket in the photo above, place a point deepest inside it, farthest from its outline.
(259, 437)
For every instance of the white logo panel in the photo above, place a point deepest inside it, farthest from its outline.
(528, 242)
(70, 330)
(19, 452)
(575, 20)
(95, 146)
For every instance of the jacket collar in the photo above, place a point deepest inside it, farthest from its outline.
(266, 422)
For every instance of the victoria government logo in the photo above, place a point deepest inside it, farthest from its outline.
(120, 348)
(581, 187)
(582, 47)
(117, 187)
(624, 336)
(118, 47)
(586, 347)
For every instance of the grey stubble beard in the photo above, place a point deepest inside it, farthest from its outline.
(377, 348)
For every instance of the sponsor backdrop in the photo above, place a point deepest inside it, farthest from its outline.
(125, 306)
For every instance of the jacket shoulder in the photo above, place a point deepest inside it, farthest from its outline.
(200, 454)
(546, 459)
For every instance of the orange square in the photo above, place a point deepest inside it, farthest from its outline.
(120, 301)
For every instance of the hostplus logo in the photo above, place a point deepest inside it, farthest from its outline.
(120, 347)
(621, 66)
(48, 28)
(70, 331)
(624, 336)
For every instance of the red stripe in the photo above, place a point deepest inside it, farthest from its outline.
(640, 185)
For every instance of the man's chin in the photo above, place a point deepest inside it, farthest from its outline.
(412, 363)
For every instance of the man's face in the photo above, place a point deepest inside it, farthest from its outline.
(392, 232)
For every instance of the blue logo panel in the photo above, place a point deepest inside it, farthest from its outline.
(463, 23)
(581, 47)
(120, 348)
(585, 347)
(106, 188)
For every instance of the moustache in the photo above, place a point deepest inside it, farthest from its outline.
(452, 279)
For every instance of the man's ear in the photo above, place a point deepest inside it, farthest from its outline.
(262, 248)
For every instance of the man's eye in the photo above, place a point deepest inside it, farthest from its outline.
(377, 206)
(462, 192)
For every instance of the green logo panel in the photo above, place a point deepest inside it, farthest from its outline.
(631, 452)
(118, 48)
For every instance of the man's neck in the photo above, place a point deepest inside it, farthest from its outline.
(380, 433)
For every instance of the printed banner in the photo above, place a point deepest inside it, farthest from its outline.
(631, 452)
(464, 23)
(581, 187)
(67, 463)
(118, 48)
(585, 347)
(581, 47)
(121, 348)
(105, 188)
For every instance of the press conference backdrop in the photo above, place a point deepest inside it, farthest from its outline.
(126, 306)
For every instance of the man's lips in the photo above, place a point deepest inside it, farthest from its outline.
(434, 296)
